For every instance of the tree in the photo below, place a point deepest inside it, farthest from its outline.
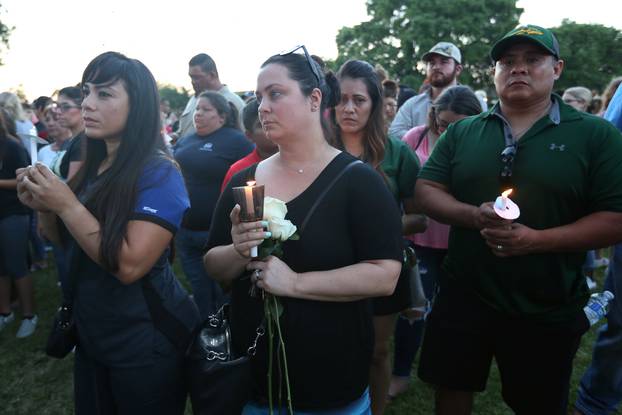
(401, 31)
(5, 32)
(592, 54)
(177, 97)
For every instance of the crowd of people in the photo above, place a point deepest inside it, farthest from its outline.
(115, 184)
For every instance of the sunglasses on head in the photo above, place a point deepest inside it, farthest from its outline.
(507, 162)
(310, 61)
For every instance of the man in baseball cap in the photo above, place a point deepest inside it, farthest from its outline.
(514, 290)
(449, 50)
(536, 35)
(443, 65)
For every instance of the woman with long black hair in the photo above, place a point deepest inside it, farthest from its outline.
(120, 212)
(360, 130)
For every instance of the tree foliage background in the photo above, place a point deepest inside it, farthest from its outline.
(592, 54)
(5, 32)
(177, 97)
(399, 32)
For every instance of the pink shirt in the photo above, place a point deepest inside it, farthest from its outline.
(437, 234)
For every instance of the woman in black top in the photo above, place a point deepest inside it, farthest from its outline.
(348, 251)
(14, 224)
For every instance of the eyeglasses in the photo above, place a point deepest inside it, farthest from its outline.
(64, 107)
(310, 61)
(507, 162)
(441, 124)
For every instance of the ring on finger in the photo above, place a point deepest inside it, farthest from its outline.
(257, 274)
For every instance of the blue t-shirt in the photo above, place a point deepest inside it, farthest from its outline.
(204, 161)
(614, 110)
(115, 326)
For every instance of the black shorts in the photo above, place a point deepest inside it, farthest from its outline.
(463, 334)
(14, 231)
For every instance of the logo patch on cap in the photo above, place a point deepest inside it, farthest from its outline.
(527, 31)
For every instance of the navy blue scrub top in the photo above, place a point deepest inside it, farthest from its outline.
(114, 324)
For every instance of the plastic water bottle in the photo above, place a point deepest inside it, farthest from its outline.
(597, 306)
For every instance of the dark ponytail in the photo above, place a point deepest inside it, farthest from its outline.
(300, 70)
(223, 107)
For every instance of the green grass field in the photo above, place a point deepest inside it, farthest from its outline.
(33, 384)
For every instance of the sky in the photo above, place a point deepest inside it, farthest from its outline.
(53, 41)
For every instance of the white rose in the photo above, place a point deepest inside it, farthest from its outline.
(273, 208)
(281, 229)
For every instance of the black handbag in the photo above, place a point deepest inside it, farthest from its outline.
(63, 337)
(218, 380)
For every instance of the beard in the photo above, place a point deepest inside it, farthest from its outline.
(440, 80)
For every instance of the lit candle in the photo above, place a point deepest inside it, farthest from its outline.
(505, 207)
(504, 198)
(250, 209)
(248, 195)
(250, 199)
(33, 150)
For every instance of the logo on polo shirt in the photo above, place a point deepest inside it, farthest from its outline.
(555, 147)
(150, 210)
(207, 147)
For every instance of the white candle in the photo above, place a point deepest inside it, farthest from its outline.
(250, 209)
(505, 207)
(248, 195)
(33, 150)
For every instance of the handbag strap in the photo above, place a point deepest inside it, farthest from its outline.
(421, 137)
(169, 325)
(75, 254)
(325, 191)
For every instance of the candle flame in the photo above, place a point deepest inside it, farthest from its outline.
(506, 193)
(251, 183)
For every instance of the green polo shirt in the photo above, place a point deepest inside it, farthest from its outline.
(400, 166)
(568, 165)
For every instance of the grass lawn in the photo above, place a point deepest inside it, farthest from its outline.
(33, 384)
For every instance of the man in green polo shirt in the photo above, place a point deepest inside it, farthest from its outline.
(514, 290)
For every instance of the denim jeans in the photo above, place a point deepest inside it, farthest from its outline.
(361, 406)
(206, 292)
(408, 335)
(38, 244)
(600, 390)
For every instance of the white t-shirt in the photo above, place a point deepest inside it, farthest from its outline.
(46, 155)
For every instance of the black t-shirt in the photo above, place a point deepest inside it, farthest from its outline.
(204, 161)
(329, 344)
(73, 153)
(15, 157)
